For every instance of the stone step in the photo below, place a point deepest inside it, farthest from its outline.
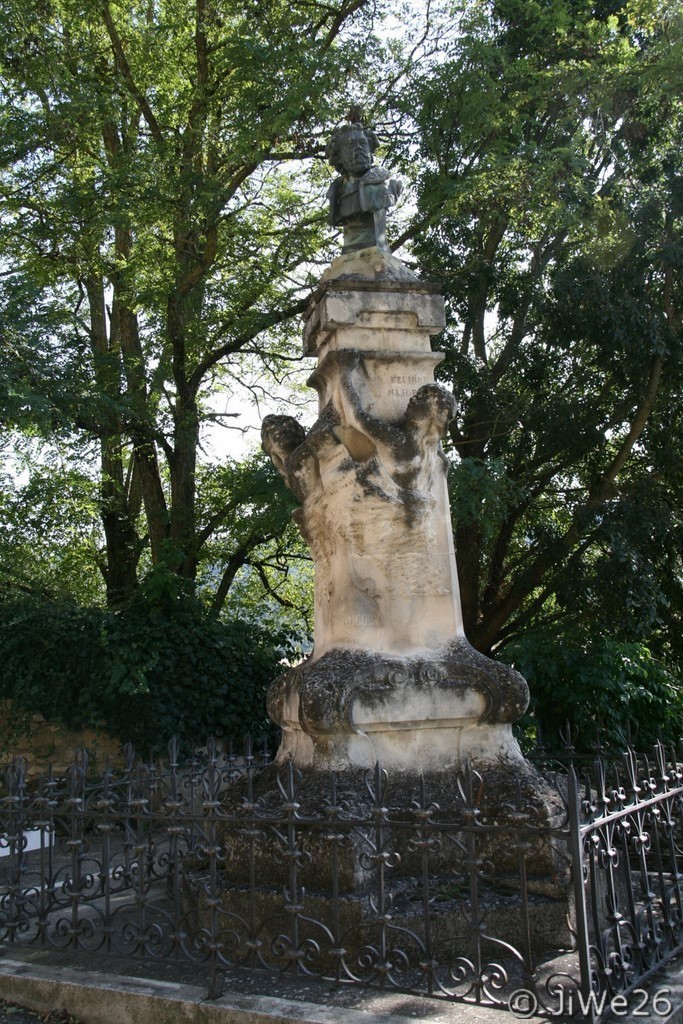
(114, 991)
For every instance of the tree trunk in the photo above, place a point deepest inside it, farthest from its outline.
(122, 542)
(121, 538)
(468, 553)
(183, 458)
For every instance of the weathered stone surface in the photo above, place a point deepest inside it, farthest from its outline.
(509, 811)
(360, 707)
(450, 924)
(393, 317)
(391, 677)
(48, 743)
(374, 512)
(371, 264)
(493, 832)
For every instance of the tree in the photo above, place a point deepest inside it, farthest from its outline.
(550, 205)
(250, 534)
(163, 218)
(157, 220)
(49, 533)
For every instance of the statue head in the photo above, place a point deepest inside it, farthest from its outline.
(350, 149)
(432, 405)
(280, 435)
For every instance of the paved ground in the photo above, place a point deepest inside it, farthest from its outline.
(10, 1013)
(85, 993)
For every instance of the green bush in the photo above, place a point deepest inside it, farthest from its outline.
(608, 689)
(160, 666)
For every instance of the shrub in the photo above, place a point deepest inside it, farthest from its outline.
(159, 666)
(608, 689)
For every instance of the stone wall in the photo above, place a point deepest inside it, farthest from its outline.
(50, 743)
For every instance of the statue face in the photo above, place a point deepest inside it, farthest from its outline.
(355, 153)
(280, 435)
(432, 404)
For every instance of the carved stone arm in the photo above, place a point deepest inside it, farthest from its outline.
(378, 430)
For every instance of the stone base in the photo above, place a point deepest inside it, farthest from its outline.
(427, 712)
(336, 827)
(338, 873)
(369, 264)
(351, 931)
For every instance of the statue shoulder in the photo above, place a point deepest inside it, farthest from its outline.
(333, 198)
(375, 176)
(333, 190)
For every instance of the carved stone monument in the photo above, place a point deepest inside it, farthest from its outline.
(391, 677)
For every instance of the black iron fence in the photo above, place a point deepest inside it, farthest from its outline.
(627, 858)
(563, 906)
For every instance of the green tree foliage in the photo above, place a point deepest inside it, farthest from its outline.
(49, 535)
(162, 215)
(608, 692)
(159, 667)
(255, 561)
(163, 220)
(550, 207)
(157, 220)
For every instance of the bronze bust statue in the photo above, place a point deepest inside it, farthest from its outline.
(363, 193)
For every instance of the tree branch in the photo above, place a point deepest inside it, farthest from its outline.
(343, 14)
(240, 341)
(557, 550)
(237, 559)
(125, 70)
(267, 585)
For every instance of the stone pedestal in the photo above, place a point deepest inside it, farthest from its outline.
(377, 869)
(322, 868)
(428, 712)
(391, 677)
(327, 864)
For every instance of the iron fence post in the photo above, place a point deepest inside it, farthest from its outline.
(577, 870)
(210, 806)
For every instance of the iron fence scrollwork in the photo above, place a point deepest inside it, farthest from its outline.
(223, 861)
(626, 827)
